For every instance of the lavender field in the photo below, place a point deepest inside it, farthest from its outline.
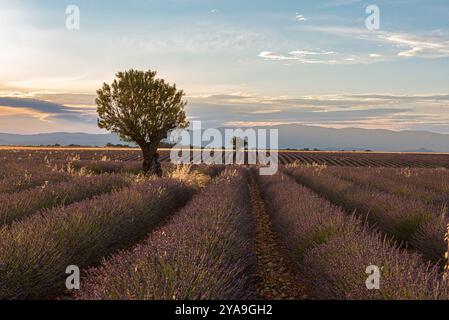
(311, 231)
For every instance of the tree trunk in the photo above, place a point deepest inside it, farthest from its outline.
(151, 164)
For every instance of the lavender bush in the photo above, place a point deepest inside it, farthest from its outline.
(334, 249)
(339, 267)
(35, 252)
(407, 183)
(100, 167)
(22, 204)
(29, 179)
(406, 220)
(16, 167)
(205, 252)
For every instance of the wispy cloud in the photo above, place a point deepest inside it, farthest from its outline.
(372, 110)
(320, 57)
(392, 46)
(387, 111)
(300, 17)
(418, 46)
(44, 110)
(425, 45)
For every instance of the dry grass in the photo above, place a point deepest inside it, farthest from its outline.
(185, 174)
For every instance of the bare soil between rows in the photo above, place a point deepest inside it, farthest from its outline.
(278, 279)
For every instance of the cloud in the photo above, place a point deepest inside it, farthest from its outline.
(66, 99)
(388, 111)
(38, 105)
(402, 45)
(419, 46)
(265, 111)
(44, 47)
(403, 98)
(300, 17)
(371, 110)
(303, 56)
(320, 57)
(424, 45)
(322, 101)
(44, 110)
(215, 110)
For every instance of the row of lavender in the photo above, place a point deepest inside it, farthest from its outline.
(353, 159)
(21, 175)
(18, 176)
(48, 187)
(25, 203)
(427, 189)
(204, 252)
(408, 220)
(29, 187)
(35, 251)
(428, 185)
(334, 249)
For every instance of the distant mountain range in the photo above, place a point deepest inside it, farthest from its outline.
(290, 136)
(300, 136)
(61, 138)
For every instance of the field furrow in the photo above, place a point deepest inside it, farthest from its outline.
(276, 278)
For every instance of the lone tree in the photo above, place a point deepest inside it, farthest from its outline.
(141, 109)
(239, 143)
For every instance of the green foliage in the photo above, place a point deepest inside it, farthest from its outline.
(239, 143)
(319, 236)
(405, 227)
(140, 108)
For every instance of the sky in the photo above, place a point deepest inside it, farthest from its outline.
(241, 63)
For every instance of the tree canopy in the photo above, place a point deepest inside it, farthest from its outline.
(141, 108)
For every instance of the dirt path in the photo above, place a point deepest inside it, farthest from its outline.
(277, 279)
